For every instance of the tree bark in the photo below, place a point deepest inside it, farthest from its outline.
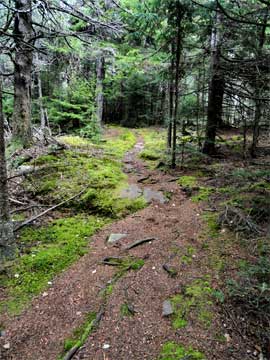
(23, 61)
(258, 90)
(216, 91)
(171, 97)
(7, 248)
(177, 78)
(99, 89)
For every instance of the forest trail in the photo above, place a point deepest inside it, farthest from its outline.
(40, 331)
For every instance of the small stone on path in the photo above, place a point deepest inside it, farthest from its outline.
(6, 346)
(113, 238)
(167, 308)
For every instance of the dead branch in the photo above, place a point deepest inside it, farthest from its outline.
(139, 242)
(29, 221)
(238, 221)
(17, 202)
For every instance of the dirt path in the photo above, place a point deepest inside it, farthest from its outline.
(39, 332)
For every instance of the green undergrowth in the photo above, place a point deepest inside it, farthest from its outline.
(100, 179)
(196, 299)
(188, 255)
(174, 351)
(188, 181)
(92, 175)
(154, 146)
(76, 141)
(117, 147)
(47, 251)
(199, 193)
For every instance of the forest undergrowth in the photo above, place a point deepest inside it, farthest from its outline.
(234, 239)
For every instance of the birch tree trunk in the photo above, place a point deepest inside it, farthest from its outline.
(23, 61)
(7, 248)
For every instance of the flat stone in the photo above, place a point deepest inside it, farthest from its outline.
(167, 308)
(133, 191)
(113, 238)
(151, 195)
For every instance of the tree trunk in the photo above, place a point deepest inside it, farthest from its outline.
(171, 97)
(258, 90)
(177, 78)
(22, 72)
(216, 91)
(42, 113)
(7, 248)
(99, 89)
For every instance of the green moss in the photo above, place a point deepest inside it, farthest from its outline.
(188, 255)
(196, 298)
(18, 217)
(75, 141)
(213, 227)
(52, 249)
(216, 262)
(80, 334)
(13, 145)
(174, 351)
(45, 159)
(110, 203)
(188, 181)
(123, 265)
(125, 310)
(117, 147)
(154, 145)
(203, 194)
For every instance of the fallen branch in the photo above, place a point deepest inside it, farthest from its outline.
(27, 208)
(17, 202)
(238, 221)
(29, 221)
(139, 242)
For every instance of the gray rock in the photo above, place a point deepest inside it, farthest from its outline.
(167, 308)
(113, 238)
(151, 195)
(133, 191)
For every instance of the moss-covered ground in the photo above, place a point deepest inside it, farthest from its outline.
(95, 170)
(174, 351)
(154, 149)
